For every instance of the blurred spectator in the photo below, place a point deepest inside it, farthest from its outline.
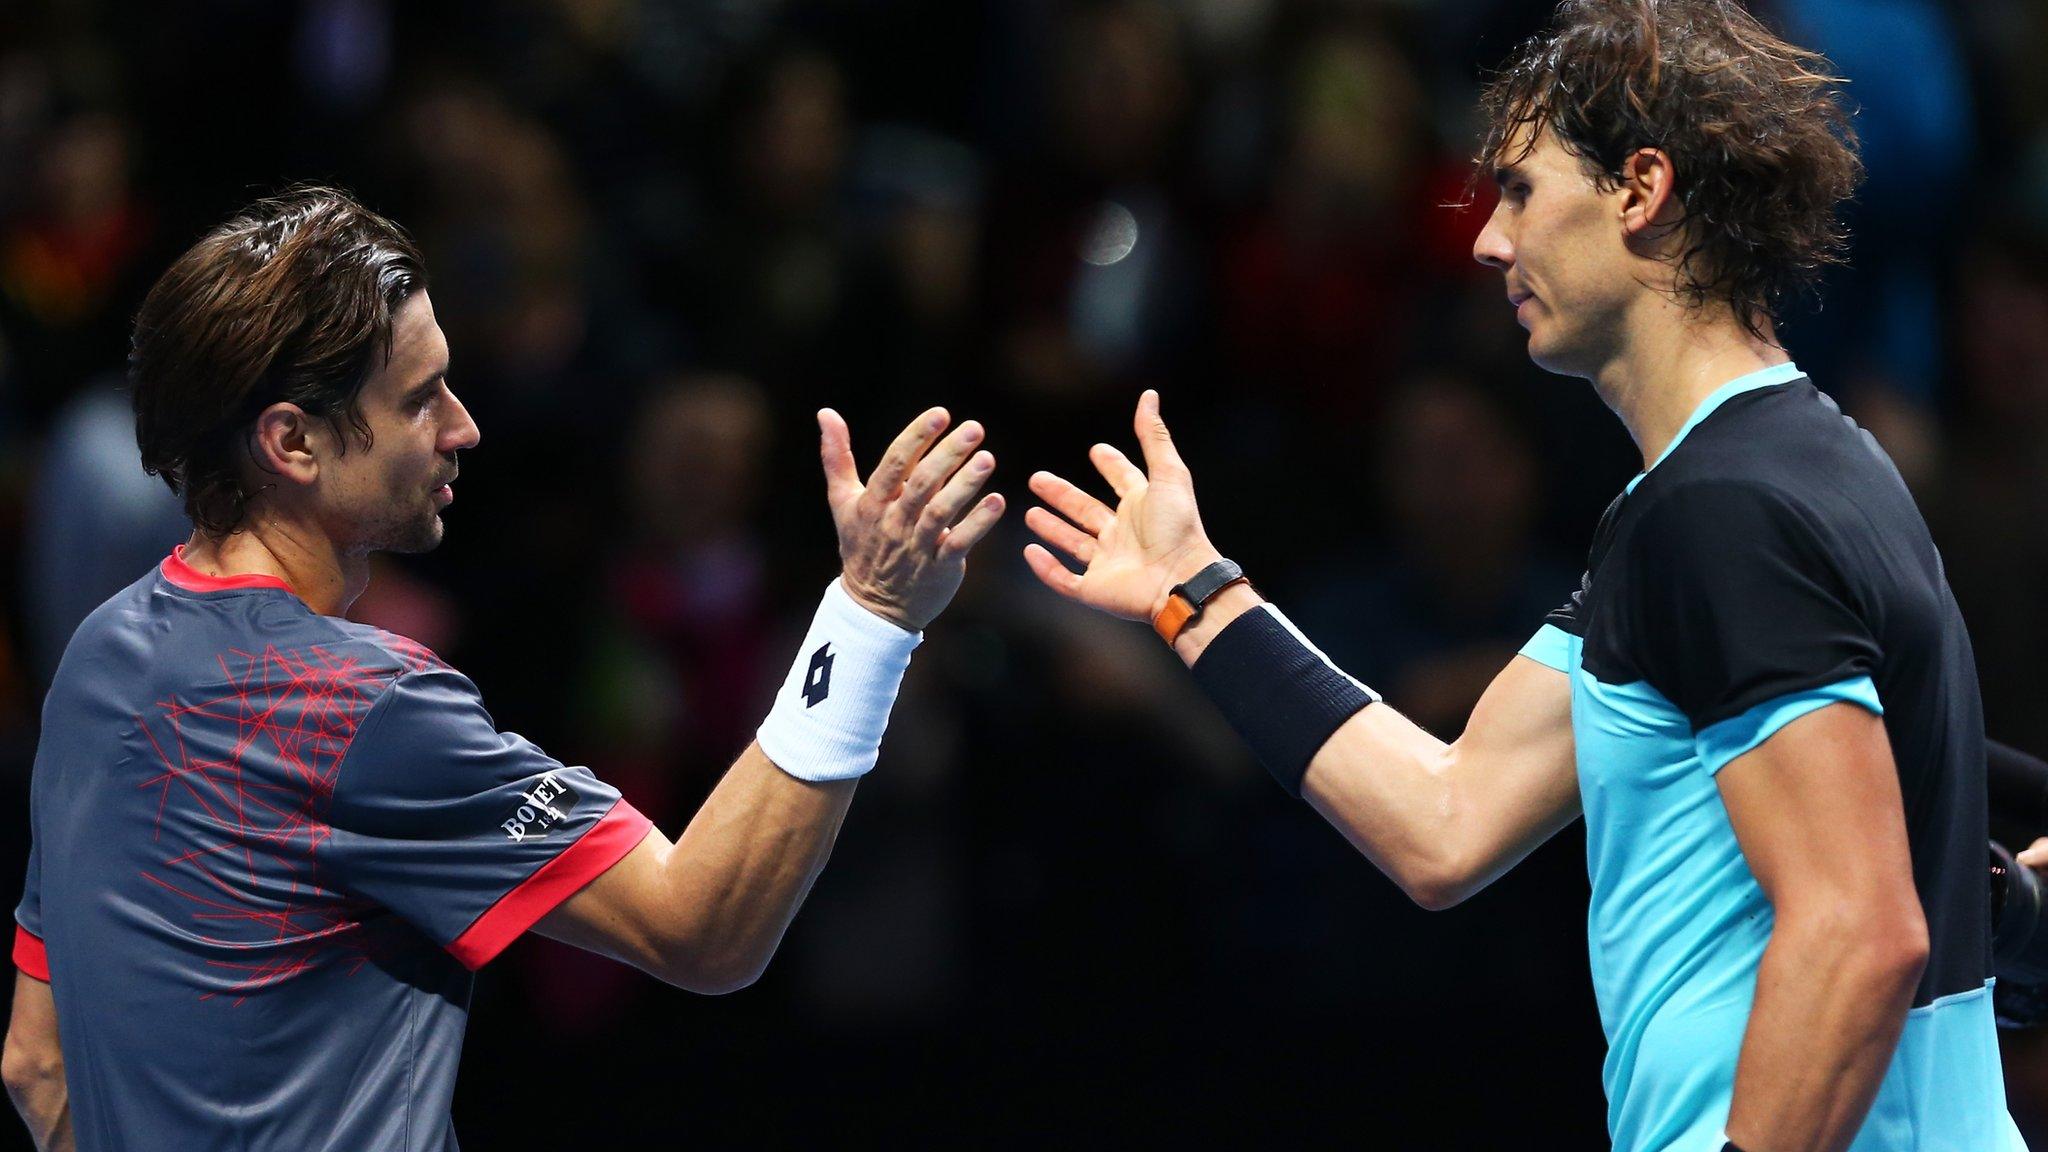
(771, 284)
(1430, 619)
(96, 521)
(675, 667)
(1880, 325)
(682, 672)
(1323, 284)
(1989, 520)
(1090, 284)
(1066, 881)
(70, 260)
(922, 195)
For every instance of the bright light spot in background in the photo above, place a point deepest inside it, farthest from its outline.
(1112, 236)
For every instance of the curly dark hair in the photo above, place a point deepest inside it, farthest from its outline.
(1757, 130)
(289, 302)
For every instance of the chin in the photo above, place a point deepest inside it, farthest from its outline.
(1559, 361)
(418, 536)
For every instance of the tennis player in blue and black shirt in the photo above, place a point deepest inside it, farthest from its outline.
(1762, 699)
(271, 845)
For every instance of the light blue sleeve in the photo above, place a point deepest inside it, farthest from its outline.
(1551, 647)
(1720, 743)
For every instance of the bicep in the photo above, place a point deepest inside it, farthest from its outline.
(1447, 819)
(1518, 760)
(1817, 810)
(610, 915)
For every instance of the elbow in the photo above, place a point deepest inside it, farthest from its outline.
(1439, 884)
(1436, 895)
(1892, 967)
(1882, 944)
(27, 1068)
(1906, 952)
(710, 974)
(1895, 946)
(723, 982)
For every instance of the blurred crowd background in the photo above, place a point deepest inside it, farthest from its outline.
(1067, 908)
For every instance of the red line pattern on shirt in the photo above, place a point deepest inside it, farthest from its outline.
(247, 777)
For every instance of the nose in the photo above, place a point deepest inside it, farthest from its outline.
(1493, 248)
(461, 431)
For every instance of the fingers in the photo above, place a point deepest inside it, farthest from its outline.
(1060, 534)
(2035, 855)
(1123, 476)
(1053, 573)
(1153, 438)
(932, 472)
(1091, 514)
(968, 532)
(904, 451)
(835, 447)
(953, 499)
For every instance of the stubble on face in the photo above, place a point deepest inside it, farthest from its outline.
(395, 507)
(412, 526)
(1570, 255)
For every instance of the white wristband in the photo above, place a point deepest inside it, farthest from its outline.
(828, 718)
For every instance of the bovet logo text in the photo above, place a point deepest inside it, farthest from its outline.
(547, 803)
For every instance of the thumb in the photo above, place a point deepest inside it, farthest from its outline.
(1156, 442)
(2035, 855)
(835, 450)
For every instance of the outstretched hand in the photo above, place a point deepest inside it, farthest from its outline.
(1133, 554)
(904, 534)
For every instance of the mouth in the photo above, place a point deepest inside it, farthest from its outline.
(1517, 300)
(445, 494)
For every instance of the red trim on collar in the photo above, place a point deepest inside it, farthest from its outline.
(192, 580)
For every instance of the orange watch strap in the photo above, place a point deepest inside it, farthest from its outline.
(1179, 612)
(1173, 618)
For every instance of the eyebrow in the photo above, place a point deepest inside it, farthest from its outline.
(1505, 173)
(432, 379)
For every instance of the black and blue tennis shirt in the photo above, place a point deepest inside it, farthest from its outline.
(1770, 563)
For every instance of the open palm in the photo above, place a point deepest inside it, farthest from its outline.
(904, 533)
(1133, 554)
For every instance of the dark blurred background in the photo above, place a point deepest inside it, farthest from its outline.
(1067, 908)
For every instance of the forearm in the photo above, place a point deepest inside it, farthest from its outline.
(45, 1106)
(1382, 780)
(1440, 819)
(740, 871)
(1831, 999)
(1397, 795)
(32, 1064)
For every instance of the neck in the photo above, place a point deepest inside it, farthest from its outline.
(1673, 358)
(325, 577)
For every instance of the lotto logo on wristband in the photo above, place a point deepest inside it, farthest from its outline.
(542, 806)
(818, 680)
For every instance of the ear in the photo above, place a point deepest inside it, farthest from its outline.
(1650, 208)
(287, 444)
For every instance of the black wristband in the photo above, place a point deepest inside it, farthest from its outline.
(1197, 589)
(1283, 696)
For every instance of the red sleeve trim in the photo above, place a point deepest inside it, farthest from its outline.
(30, 955)
(605, 844)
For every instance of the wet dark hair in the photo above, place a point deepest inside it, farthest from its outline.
(1756, 128)
(289, 302)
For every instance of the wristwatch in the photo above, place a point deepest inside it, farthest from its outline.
(1185, 602)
